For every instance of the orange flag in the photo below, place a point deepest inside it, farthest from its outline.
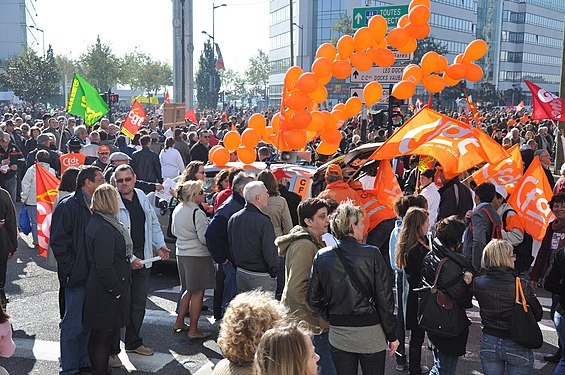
(135, 119)
(47, 187)
(505, 174)
(530, 200)
(456, 145)
(386, 186)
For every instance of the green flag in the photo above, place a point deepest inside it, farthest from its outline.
(85, 101)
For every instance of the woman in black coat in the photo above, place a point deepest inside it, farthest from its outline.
(109, 248)
(454, 279)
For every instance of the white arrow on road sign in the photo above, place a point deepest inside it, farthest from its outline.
(391, 74)
(357, 92)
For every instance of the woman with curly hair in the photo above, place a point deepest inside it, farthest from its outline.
(248, 316)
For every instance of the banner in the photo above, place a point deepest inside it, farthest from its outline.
(85, 101)
(545, 105)
(135, 119)
(505, 174)
(47, 187)
(531, 200)
(471, 106)
(191, 116)
(220, 61)
(167, 97)
(386, 186)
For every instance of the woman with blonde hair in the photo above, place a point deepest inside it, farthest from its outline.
(411, 248)
(248, 316)
(109, 248)
(287, 350)
(351, 287)
(495, 291)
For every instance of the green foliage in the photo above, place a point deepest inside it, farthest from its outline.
(233, 85)
(31, 77)
(257, 73)
(487, 94)
(99, 66)
(426, 45)
(343, 27)
(207, 79)
(66, 66)
(142, 72)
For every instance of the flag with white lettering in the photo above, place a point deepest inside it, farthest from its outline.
(545, 104)
(135, 119)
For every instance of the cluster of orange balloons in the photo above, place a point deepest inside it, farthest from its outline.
(434, 73)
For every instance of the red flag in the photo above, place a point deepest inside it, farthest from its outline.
(191, 116)
(220, 61)
(167, 97)
(47, 187)
(471, 106)
(135, 119)
(520, 106)
(545, 104)
(386, 186)
(530, 200)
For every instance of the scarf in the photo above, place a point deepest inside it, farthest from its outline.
(113, 221)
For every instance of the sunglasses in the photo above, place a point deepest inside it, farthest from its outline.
(122, 180)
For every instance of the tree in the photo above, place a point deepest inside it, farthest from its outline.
(428, 44)
(100, 67)
(142, 72)
(233, 85)
(487, 94)
(343, 27)
(207, 79)
(31, 77)
(257, 74)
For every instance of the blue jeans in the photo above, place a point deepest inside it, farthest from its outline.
(444, 364)
(11, 186)
(498, 353)
(559, 321)
(400, 332)
(230, 285)
(326, 363)
(74, 335)
(32, 213)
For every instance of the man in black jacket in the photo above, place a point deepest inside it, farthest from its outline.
(456, 198)
(146, 163)
(68, 243)
(291, 198)
(200, 149)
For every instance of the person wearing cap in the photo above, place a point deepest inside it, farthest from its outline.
(431, 193)
(292, 199)
(43, 144)
(103, 156)
(74, 158)
(337, 189)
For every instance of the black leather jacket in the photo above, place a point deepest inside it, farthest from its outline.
(146, 165)
(332, 295)
(496, 290)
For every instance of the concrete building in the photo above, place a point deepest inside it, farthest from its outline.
(13, 28)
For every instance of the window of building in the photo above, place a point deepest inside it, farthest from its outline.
(518, 77)
(279, 41)
(279, 66)
(463, 4)
(452, 23)
(532, 19)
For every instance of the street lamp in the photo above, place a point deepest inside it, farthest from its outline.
(42, 33)
(213, 78)
(301, 44)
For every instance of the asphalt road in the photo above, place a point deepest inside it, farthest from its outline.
(32, 289)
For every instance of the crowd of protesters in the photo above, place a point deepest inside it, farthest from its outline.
(302, 286)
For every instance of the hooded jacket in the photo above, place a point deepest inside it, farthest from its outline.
(299, 247)
(340, 191)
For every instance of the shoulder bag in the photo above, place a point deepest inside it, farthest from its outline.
(356, 283)
(524, 328)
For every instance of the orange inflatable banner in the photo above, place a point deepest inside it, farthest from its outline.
(456, 145)
(531, 200)
(386, 186)
(505, 174)
(47, 187)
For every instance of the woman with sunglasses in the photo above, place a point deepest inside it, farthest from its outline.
(195, 264)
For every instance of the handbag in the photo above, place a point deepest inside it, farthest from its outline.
(356, 283)
(24, 222)
(524, 328)
(436, 312)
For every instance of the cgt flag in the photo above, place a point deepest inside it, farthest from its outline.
(386, 186)
(220, 61)
(545, 104)
(47, 187)
(505, 174)
(530, 200)
(135, 119)
(85, 101)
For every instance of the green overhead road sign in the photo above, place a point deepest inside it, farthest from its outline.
(392, 14)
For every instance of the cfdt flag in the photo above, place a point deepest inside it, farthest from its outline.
(47, 187)
(386, 186)
(505, 173)
(135, 119)
(220, 61)
(545, 104)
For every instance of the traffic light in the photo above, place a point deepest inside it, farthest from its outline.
(105, 97)
(395, 102)
(114, 98)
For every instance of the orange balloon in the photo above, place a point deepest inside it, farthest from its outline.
(362, 61)
(403, 90)
(339, 116)
(474, 72)
(307, 82)
(276, 121)
(298, 100)
(475, 50)
(341, 69)
(458, 58)
(433, 83)
(320, 94)
(456, 71)
(345, 46)
(415, 3)
(324, 80)
(419, 15)
(382, 44)
(329, 122)
(250, 138)
(383, 57)
(257, 121)
(232, 140)
(268, 132)
(291, 76)
(397, 37)
(246, 155)
(325, 148)
(418, 31)
(211, 152)
(301, 119)
(409, 47)
(285, 124)
(339, 107)
(363, 39)
(332, 136)
(322, 66)
(317, 122)
(310, 135)
(442, 63)
(412, 73)
(221, 156)
(378, 27)
(429, 62)
(372, 93)
(449, 81)
(403, 21)
(353, 106)
(326, 50)
(295, 139)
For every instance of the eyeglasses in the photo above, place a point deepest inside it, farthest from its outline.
(558, 205)
(205, 136)
(122, 180)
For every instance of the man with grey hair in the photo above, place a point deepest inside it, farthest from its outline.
(545, 160)
(92, 148)
(81, 133)
(251, 236)
(43, 144)
(218, 244)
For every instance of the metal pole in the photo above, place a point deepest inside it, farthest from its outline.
(183, 97)
(212, 75)
(190, 49)
(559, 156)
(291, 35)
(389, 122)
